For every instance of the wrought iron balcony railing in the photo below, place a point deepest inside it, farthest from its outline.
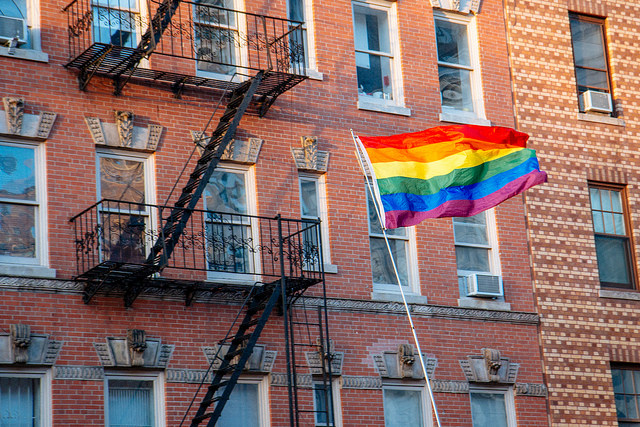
(193, 42)
(216, 246)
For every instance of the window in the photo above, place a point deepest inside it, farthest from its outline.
(612, 238)
(401, 243)
(126, 182)
(626, 387)
(25, 398)
(589, 55)
(231, 236)
(247, 405)
(21, 18)
(117, 22)
(492, 408)
(404, 406)
(22, 204)
(302, 11)
(217, 34)
(313, 206)
(134, 400)
(458, 65)
(376, 52)
(320, 399)
(475, 242)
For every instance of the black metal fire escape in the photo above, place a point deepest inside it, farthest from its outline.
(299, 254)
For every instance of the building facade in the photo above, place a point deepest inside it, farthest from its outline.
(574, 75)
(135, 223)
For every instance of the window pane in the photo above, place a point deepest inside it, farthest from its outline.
(616, 376)
(455, 88)
(131, 403)
(452, 41)
(592, 78)
(473, 259)
(608, 223)
(588, 48)
(14, 8)
(471, 234)
(216, 49)
(320, 404)
(123, 238)
(309, 198)
(613, 260)
(374, 76)
(19, 402)
(598, 222)
(371, 29)
(17, 230)
(296, 10)
(616, 201)
(122, 179)
(229, 247)
(381, 265)
(116, 27)
(17, 173)
(627, 377)
(618, 222)
(488, 410)
(226, 192)
(374, 221)
(242, 409)
(605, 198)
(594, 195)
(402, 408)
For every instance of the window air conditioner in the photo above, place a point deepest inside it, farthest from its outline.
(599, 102)
(484, 285)
(11, 27)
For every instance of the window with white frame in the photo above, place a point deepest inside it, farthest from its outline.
(229, 198)
(247, 405)
(458, 65)
(376, 46)
(303, 40)
(476, 244)
(405, 406)
(21, 19)
(134, 400)
(492, 407)
(321, 406)
(313, 205)
(117, 22)
(217, 37)
(25, 397)
(125, 184)
(401, 242)
(22, 204)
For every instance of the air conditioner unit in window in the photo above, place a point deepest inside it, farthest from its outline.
(599, 102)
(484, 285)
(11, 27)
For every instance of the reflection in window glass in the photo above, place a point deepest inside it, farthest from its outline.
(20, 401)
(626, 388)
(454, 65)
(402, 408)
(488, 409)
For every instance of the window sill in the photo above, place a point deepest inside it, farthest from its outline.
(22, 270)
(331, 268)
(382, 107)
(26, 54)
(233, 278)
(627, 294)
(596, 118)
(314, 74)
(463, 118)
(484, 304)
(385, 295)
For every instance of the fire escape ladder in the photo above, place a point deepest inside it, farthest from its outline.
(192, 191)
(238, 354)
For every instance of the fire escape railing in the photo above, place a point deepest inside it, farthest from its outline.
(192, 43)
(110, 235)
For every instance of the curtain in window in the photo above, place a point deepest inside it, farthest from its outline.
(243, 407)
(19, 402)
(488, 410)
(131, 403)
(402, 408)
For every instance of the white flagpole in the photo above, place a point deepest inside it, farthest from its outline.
(380, 213)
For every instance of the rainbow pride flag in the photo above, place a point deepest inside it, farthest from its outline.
(448, 171)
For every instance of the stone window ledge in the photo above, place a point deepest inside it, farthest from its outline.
(596, 118)
(27, 271)
(620, 294)
(27, 54)
(484, 304)
(463, 118)
(381, 107)
(314, 74)
(380, 295)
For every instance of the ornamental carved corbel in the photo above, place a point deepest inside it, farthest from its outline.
(21, 337)
(238, 151)
(14, 110)
(261, 359)
(137, 344)
(123, 133)
(124, 125)
(406, 360)
(403, 363)
(309, 158)
(18, 123)
(320, 360)
(489, 367)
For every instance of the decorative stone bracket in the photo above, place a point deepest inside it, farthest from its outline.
(403, 363)
(123, 133)
(316, 358)
(489, 367)
(21, 346)
(238, 151)
(14, 121)
(309, 158)
(134, 350)
(463, 6)
(261, 360)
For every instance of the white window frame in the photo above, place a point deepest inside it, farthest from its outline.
(241, 53)
(45, 377)
(386, 290)
(250, 192)
(40, 204)
(310, 39)
(365, 102)
(263, 397)
(321, 191)
(158, 392)
(494, 253)
(508, 401)
(337, 403)
(424, 399)
(449, 114)
(34, 52)
(148, 163)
